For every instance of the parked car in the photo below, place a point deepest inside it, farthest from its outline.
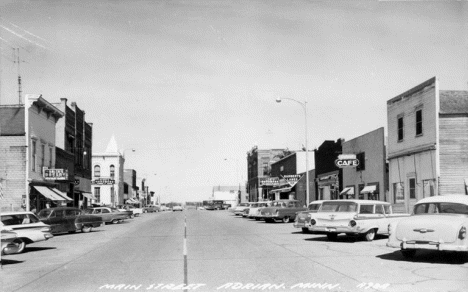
(253, 205)
(69, 219)
(283, 210)
(353, 217)
(164, 208)
(437, 223)
(151, 209)
(239, 209)
(136, 211)
(7, 245)
(110, 215)
(255, 212)
(177, 208)
(27, 226)
(302, 219)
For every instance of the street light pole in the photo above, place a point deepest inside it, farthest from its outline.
(304, 106)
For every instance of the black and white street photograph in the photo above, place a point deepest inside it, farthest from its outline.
(234, 145)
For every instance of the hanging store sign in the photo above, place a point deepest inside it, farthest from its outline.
(292, 179)
(103, 181)
(270, 182)
(346, 160)
(55, 174)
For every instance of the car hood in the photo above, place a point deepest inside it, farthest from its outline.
(435, 228)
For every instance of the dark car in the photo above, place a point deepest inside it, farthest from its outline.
(109, 215)
(68, 219)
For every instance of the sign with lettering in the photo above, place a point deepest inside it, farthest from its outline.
(346, 160)
(270, 181)
(55, 174)
(103, 181)
(77, 182)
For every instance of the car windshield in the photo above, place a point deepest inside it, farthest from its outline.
(44, 213)
(440, 208)
(17, 219)
(243, 205)
(313, 207)
(88, 211)
(338, 207)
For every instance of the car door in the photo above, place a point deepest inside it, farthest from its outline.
(56, 219)
(382, 220)
(106, 215)
(70, 218)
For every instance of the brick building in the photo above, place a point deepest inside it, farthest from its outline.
(329, 177)
(74, 142)
(258, 171)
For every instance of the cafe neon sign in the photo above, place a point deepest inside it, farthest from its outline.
(347, 160)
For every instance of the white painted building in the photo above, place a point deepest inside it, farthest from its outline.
(108, 175)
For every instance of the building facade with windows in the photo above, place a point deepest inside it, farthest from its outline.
(74, 138)
(369, 180)
(259, 171)
(130, 186)
(427, 143)
(108, 175)
(27, 150)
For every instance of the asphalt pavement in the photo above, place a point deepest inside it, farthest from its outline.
(203, 250)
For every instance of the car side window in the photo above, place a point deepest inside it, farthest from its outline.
(379, 209)
(366, 209)
(291, 205)
(105, 211)
(97, 211)
(388, 209)
(59, 213)
(69, 213)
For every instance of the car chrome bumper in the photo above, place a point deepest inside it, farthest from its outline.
(299, 224)
(427, 245)
(332, 229)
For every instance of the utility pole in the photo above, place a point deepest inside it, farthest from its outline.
(16, 59)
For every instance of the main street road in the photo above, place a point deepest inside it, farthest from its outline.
(217, 251)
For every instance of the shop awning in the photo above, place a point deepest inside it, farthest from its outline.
(347, 191)
(49, 193)
(89, 196)
(62, 194)
(368, 189)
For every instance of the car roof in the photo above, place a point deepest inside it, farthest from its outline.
(461, 199)
(359, 201)
(16, 213)
(61, 208)
(317, 202)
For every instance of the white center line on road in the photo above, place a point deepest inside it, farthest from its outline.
(185, 253)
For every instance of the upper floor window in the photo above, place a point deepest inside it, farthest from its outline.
(43, 156)
(362, 161)
(112, 171)
(419, 128)
(50, 157)
(97, 171)
(400, 129)
(412, 188)
(97, 194)
(33, 153)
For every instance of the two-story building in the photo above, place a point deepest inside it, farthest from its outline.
(329, 177)
(427, 143)
(258, 171)
(108, 175)
(28, 155)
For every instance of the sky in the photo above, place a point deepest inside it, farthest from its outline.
(191, 85)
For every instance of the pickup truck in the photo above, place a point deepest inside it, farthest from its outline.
(353, 217)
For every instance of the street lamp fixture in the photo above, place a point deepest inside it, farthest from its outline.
(304, 106)
(123, 152)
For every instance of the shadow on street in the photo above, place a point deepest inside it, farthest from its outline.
(429, 256)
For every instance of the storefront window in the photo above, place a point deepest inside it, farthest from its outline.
(97, 194)
(412, 188)
(112, 171)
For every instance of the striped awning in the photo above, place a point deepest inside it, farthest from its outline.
(368, 189)
(52, 194)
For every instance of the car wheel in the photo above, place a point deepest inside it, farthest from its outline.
(121, 220)
(408, 253)
(115, 221)
(132, 216)
(370, 235)
(305, 230)
(285, 219)
(137, 215)
(21, 245)
(332, 236)
(86, 229)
